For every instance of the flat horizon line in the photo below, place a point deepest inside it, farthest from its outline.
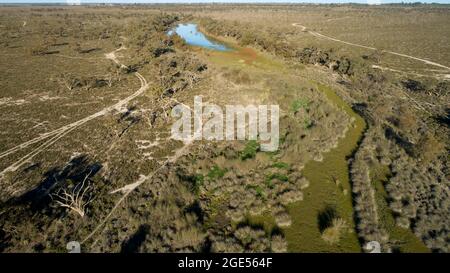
(73, 2)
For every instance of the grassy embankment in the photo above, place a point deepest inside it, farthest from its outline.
(304, 234)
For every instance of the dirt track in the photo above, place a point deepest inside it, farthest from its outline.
(439, 76)
(55, 135)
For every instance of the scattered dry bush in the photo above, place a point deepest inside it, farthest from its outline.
(333, 233)
(75, 199)
(365, 205)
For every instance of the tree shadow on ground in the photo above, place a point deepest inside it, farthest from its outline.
(33, 210)
(133, 244)
(325, 217)
(76, 170)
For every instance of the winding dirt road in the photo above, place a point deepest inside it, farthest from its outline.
(317, 34)
(55, 135)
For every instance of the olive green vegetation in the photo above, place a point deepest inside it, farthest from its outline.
(216, 172)
(298, 104)
(259, 191)
(250, 150)
(281, 165)
(264, 220)
(198, 182)
(281, 177)
(402, 239)
(302, 104)
(323, 194)
(304, 234)
(329, 194)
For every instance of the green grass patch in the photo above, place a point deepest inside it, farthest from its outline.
(307, 123)
(199, 179)
(250, 150)
(269, 179)
(259, 191)
(304, 234)
(299, 104)
(216, 172)
(281, 165)
(281, 177)
(264, 220)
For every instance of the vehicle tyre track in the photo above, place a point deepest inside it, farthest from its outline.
(55, 135)
(317, 34)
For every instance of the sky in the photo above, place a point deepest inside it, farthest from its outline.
(222, 1)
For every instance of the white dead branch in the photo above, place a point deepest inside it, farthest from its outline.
(76, 199)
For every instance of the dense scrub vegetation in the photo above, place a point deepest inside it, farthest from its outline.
(203, 199)
(270, 39)
(406, 133)
(35, 217)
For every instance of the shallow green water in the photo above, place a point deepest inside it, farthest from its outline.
(304, 234)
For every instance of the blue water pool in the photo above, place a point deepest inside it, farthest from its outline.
(192, 36)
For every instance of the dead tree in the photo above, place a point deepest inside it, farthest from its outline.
(76, 199)
(68, 81)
